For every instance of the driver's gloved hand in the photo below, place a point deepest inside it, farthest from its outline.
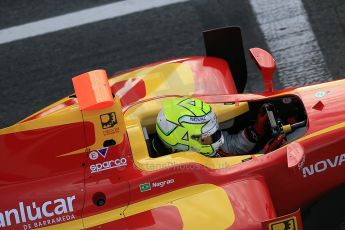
(274, 143)
(259, 126)
(257, 131)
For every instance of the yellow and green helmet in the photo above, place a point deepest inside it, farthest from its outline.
(185, 123)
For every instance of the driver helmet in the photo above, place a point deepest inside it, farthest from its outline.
(189, 124)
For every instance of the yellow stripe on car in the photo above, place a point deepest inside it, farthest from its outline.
(192, 202)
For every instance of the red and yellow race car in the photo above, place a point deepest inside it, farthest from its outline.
(87, 161)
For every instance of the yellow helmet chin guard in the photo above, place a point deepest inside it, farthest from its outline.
(184, 123)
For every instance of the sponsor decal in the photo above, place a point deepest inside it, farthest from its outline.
(323, 165)
(108, 120)
(106, 165)
(247, 159)
(301, 164)
(197, 119)
(111, 131)
(287, 100)
(286, 224)
(321, 93)
(94, 154)
(31, 215)
(147, 186)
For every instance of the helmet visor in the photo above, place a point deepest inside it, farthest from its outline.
(208, 140)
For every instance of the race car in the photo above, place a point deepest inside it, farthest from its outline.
(88, 160)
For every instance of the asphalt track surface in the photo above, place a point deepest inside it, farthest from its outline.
(305, 36)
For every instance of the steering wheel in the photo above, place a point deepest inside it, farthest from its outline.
(276, 128)
(274, 120)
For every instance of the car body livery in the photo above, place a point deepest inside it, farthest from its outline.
(87, 161)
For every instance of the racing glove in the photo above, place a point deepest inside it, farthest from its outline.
(274, 143)
(257, 131)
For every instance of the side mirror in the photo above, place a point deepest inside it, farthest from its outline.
(93, 90)
(266, 64)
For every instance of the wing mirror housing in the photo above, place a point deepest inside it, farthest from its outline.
(92, 90)
(266, 64)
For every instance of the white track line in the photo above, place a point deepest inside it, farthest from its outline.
(79, 18)
(291, 40)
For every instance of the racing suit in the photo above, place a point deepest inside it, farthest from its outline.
(244, 141)
(238, 144)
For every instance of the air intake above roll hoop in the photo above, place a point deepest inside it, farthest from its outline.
(92, 90)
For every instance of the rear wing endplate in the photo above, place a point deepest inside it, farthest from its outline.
(226, 43)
